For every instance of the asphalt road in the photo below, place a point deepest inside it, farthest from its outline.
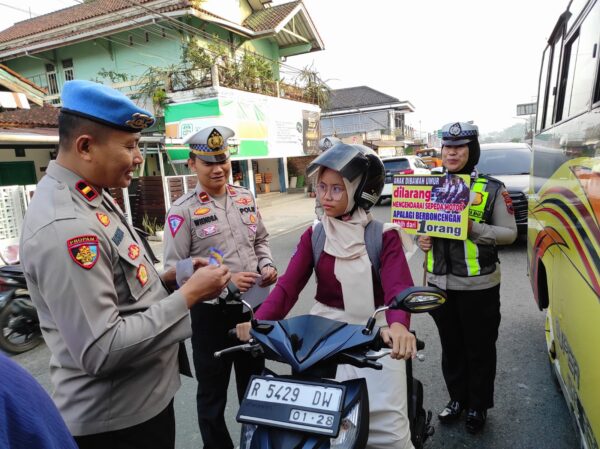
(529, 413)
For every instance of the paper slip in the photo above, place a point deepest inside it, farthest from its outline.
(256, 294)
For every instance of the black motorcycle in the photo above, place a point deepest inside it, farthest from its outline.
(19, 323)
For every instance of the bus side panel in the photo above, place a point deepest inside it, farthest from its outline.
(564, 240)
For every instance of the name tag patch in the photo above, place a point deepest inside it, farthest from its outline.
(84, 250)
(205, 220)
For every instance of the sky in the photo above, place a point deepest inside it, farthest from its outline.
(454, 60)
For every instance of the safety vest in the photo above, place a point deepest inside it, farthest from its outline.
(465, 258)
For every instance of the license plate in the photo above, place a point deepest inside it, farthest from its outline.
(320, 397)
(291, 404)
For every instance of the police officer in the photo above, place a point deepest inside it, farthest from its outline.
(225, 217)
(469, 271)
(105, 313)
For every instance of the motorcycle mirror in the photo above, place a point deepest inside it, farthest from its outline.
(419, 299)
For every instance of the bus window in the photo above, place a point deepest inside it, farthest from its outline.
(542, 89)
(551, 92)
(585, 64)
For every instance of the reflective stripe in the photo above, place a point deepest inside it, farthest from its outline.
(430, 260)
(472, 258)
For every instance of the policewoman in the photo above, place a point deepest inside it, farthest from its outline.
(222, 216)
(469, 271)
(109, 321)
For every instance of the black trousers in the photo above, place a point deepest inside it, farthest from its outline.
(210, 324)
(468, 327)
(156, 433)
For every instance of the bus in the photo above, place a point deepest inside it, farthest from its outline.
(563, 244)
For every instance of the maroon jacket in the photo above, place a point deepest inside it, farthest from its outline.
(394, 273)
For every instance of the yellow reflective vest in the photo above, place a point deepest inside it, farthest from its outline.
(465, 258)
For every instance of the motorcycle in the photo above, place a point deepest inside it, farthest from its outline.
(307, 409)
(19, 323)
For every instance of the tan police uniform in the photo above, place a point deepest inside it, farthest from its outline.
(196, 222)
(110, 323)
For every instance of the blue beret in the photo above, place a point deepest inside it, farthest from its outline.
(459, 133)
(105, 105)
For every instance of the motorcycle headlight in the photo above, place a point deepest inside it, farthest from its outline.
(348, 429)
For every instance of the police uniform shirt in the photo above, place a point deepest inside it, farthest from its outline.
(196, 222)
(110, 323)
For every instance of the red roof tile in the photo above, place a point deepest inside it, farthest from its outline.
(44, 117)
(67, 16)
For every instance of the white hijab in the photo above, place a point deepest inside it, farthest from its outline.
(345, 240)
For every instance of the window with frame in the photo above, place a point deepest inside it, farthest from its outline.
(51, 78)
(68, 69)
(585, 64)
(552, 86)
(542, 97)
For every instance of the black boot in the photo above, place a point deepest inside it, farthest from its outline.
(451, 412)
(475, 420)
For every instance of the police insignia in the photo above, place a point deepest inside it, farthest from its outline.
(252, 229)
(244, 201)
(204, 198)
(103, 218)
(142, 274)
(175, 222)
(117, 238)
(209, 230)
(84, 250)
(215, 140)
(134, 251)
(202, 211)
(231, 190)
(252, 218)
(478, 199)
(86, 190)
(455, 129)
(139, 121)
(508, 202)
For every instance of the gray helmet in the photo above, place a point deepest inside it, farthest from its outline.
(352, 161)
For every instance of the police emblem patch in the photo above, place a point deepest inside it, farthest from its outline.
(244, 201)
(175, 222)
(142, 274)
(134, 251)
(215, 140)
(204, 198)
(139, 121)
(508, 202)
(202, 211)
(231, 190)
(252, 229)
(455, 129)
(252, 218)
(208, 231)
(103, 218)
(84, 250)
(86, 190)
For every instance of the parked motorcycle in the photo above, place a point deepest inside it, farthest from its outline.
(308, 409)
(19, 323)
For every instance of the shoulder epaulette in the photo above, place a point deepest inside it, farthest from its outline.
(186, 196)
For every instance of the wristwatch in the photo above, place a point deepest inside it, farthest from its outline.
(270, 265)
